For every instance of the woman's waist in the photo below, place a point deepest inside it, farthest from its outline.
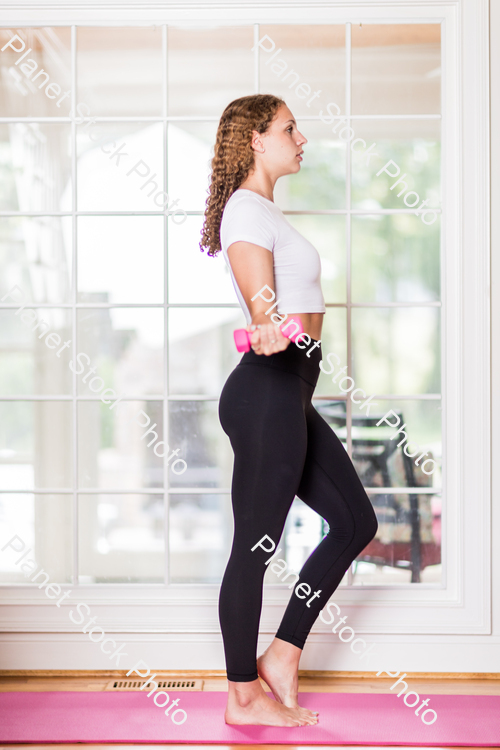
(301, 360)
(312, 324)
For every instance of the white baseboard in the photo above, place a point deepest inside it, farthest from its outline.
(183, 651)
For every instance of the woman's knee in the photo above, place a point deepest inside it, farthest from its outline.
(342, 529)
(365, 527)
(369, 527)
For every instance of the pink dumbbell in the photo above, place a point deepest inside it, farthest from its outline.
(242, 337)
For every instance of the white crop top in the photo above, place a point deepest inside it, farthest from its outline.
(249, 217)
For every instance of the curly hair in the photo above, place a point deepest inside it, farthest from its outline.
(234, 157)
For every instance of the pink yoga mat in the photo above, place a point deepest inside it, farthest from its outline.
(345, 718)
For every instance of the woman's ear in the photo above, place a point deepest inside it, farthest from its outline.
(257, 142)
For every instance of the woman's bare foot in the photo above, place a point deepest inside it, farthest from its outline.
(247, 703)
(279, 668)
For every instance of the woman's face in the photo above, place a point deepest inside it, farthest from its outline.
(282, 144)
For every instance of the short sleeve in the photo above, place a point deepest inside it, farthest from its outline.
(246, 219)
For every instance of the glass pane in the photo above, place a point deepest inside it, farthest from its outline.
(35, 164)
(201, 348)
(28, 459)
(201, 534)
(195, 429)
(327, 234)
(124, 347)
(208, 68)
(385, 457)
(407, 546)
(190, 152)
(395, 259)
(407, 154)
(397, 350)
(121, 538)
(36, 67)
(120, 259)
(35, 255)
(298, 62)
(320, 184)
(194, 276)
(396, 68)
(119, 71)
(416, 429)
(43, 525)
(121, 445)
(333, 342)
(33, 355)
(120, 167)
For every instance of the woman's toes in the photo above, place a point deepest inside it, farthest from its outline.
(311, 715)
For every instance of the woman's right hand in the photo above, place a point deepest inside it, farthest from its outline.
(267, 339)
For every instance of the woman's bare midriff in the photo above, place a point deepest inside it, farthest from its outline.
(311, 322)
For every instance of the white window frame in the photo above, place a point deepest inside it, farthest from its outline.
(187, 614)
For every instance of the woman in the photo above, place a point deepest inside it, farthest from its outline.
(282, 446)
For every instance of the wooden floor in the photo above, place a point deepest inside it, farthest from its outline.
(327, 682)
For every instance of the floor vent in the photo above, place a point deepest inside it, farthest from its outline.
(163, 684)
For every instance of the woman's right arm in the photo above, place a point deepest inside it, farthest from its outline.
(252, 266)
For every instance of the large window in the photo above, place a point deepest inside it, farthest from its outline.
(90, 251)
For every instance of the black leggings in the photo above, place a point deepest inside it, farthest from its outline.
(282, 448)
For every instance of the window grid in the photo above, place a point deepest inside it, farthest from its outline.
(167, 396)
(74, 281)
(166, 373)
(348, 401)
